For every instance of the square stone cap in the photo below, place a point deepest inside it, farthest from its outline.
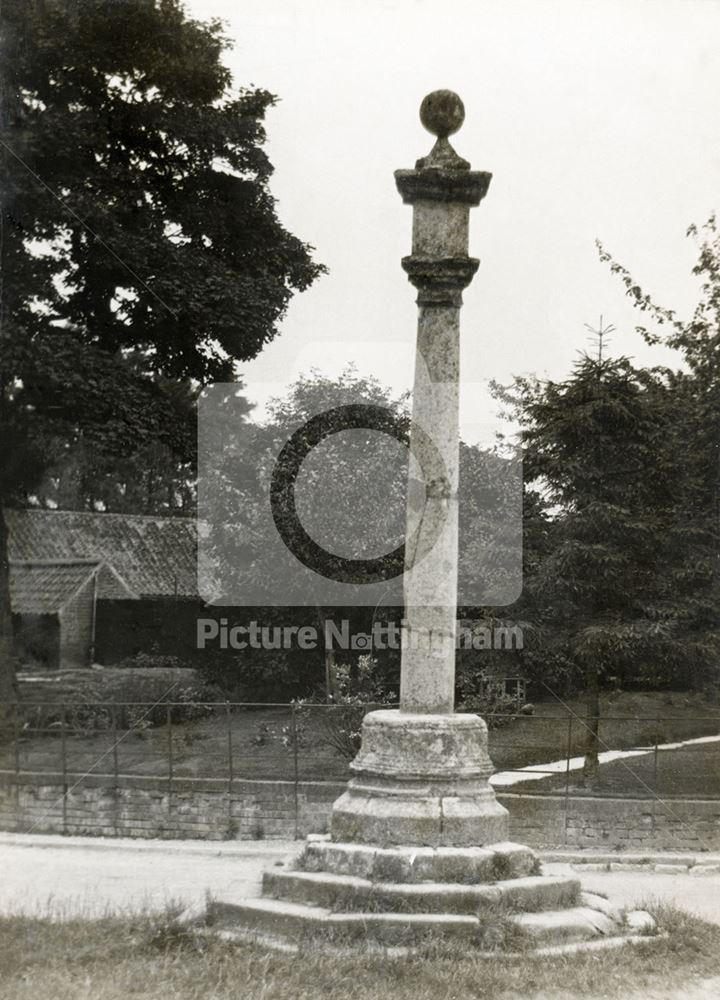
(435, 184)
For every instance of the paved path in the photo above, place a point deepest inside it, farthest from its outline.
(88, 876)
(699, 894)
(536, 772)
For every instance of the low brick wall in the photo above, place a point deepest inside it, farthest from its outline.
(148, 807)
(253, 810)
(615, 824)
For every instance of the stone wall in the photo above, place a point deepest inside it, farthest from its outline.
(614, 824)
(204, 808)
(149, 807)
(76, 628)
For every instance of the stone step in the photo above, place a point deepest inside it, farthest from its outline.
(339, 892)
(578, 923)
(285, 922)
(405, 864)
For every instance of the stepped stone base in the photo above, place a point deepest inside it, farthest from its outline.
(418, 850)
(350, 894)
(418, 864)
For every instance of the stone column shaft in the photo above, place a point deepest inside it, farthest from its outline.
(441, 190)
(427, 677)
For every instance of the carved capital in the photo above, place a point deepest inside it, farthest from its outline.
(440, 281)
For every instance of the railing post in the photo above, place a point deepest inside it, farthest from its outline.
(567, 773)
(169, 756)
(116, 780)
(63, 755)
(17, 760)
(655, 773)
(295, 768)
(230, 766)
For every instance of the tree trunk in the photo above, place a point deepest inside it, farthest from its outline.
(592, 721)
(8, 679)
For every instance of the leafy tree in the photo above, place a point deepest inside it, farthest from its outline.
(694, 442)
(597, 446)
(622, 466)
(154, 478)
(696, 388)
(137, 187)
(350, 479)
(357, 480)
(141, 243)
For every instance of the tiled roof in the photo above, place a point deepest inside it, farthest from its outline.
(43, 588)
(153, 556)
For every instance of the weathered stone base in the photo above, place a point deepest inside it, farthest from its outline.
(420, 779)
(348, 893)
(322, 943)
(411, 864)
(418, 851)
(522, 914)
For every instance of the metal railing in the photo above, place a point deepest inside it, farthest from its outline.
(173, 744)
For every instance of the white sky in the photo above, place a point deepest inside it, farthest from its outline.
(597, 119)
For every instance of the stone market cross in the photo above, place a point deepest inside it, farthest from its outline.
(418, 843)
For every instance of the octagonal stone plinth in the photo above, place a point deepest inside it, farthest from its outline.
(412, 865)
(420, 780)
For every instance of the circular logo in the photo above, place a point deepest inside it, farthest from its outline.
(353, 416)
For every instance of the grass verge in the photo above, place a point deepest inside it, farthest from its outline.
(147, 958)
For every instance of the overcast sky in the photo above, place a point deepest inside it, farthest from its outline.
(596, 119)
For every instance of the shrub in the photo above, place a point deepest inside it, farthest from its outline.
(152, 689)
(357, 693)
(490, 700)
(288, 737)
(151, 661)
(136, 694)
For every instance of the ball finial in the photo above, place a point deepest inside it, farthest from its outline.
(442, 113)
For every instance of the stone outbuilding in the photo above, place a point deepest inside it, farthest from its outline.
(93, 587)
(54, 609)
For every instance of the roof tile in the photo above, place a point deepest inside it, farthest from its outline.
(154, 556)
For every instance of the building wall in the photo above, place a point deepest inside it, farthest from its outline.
(127, 627)
(207, 809)
(36, 640)
(76, 627)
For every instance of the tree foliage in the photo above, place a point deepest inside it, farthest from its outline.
(138, 209)
(350, 496)
(141, 244)
(623, 463)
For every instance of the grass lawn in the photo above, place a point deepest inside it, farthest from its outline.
(255, 739)
(121, 958)
(690, 771)
(258, 740)
(628, 719)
